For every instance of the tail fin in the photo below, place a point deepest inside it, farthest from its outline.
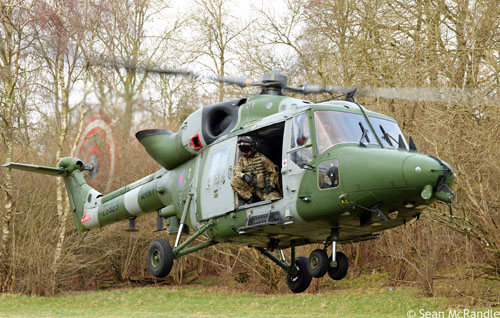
(76, 186)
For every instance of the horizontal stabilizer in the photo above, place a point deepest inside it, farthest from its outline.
(34, 168)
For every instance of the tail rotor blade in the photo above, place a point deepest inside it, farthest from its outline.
(34, 168)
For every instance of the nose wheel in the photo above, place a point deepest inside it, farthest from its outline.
(318, 263)
(338, 263)
(340, 270)
(336, 266)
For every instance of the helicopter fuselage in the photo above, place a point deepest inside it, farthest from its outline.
(339, 171)
(345, 174)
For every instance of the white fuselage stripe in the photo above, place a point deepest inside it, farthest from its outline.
(131, 202)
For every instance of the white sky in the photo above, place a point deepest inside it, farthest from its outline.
(239, 8)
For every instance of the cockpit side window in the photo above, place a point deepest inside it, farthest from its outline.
(301, 135)
(301, 141)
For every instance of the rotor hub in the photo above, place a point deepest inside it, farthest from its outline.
(273, 82)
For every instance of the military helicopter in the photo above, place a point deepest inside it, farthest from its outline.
(346, 174)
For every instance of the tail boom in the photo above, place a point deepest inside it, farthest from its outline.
(91, 209)
(132, 201)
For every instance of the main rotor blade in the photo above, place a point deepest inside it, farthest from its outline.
(441, 95)
(316, 89)
(143, 68)
(238, 81)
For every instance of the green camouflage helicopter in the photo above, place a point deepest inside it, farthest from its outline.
(346, 174)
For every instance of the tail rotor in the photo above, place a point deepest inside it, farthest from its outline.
(97, 148)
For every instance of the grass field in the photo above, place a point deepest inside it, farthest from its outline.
(210, 299)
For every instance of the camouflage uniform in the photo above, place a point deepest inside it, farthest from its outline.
(264, 173)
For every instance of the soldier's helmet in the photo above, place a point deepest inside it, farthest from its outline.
(247, 143)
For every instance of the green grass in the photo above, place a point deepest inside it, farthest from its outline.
(218, 298)
(200, 301)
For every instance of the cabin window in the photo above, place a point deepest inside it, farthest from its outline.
(217, 167)
(334, 127)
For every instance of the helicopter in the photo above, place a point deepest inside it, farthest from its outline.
(345, 174)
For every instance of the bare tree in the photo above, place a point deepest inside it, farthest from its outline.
(58, 33)
(14, 41)
(124, 34)
(217, 31)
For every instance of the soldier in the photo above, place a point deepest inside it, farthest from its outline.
(254, 174)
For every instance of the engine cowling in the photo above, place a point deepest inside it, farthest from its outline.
(165, 147)
(199, 130)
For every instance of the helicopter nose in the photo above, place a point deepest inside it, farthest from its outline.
(432, 175)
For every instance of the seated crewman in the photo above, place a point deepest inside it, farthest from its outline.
(254, 174)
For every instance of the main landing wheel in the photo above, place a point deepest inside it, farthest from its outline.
(339, 272)
(160, 258)
(299, 279)
(318, 263)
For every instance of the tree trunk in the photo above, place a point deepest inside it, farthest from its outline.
(9, 54)
(60, 202)
(6, 235)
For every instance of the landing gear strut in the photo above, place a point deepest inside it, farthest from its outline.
(301, 270)
(339, 272)
(338, 264)
(161, 255)
(298, 278)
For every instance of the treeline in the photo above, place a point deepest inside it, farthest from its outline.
(53, 76)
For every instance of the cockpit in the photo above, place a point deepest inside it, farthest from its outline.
(337, 127)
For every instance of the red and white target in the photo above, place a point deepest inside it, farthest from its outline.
(96, 146)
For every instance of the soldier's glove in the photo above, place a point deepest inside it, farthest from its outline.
(247, 179)
(269, 189)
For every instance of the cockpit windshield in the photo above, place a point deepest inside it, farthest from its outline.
(388, 132)
(335, 127)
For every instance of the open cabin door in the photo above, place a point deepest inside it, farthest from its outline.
(217, 195)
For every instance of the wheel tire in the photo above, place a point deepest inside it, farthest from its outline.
(318, 263)
(160, 258)
(339, 272)
(299, 281)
